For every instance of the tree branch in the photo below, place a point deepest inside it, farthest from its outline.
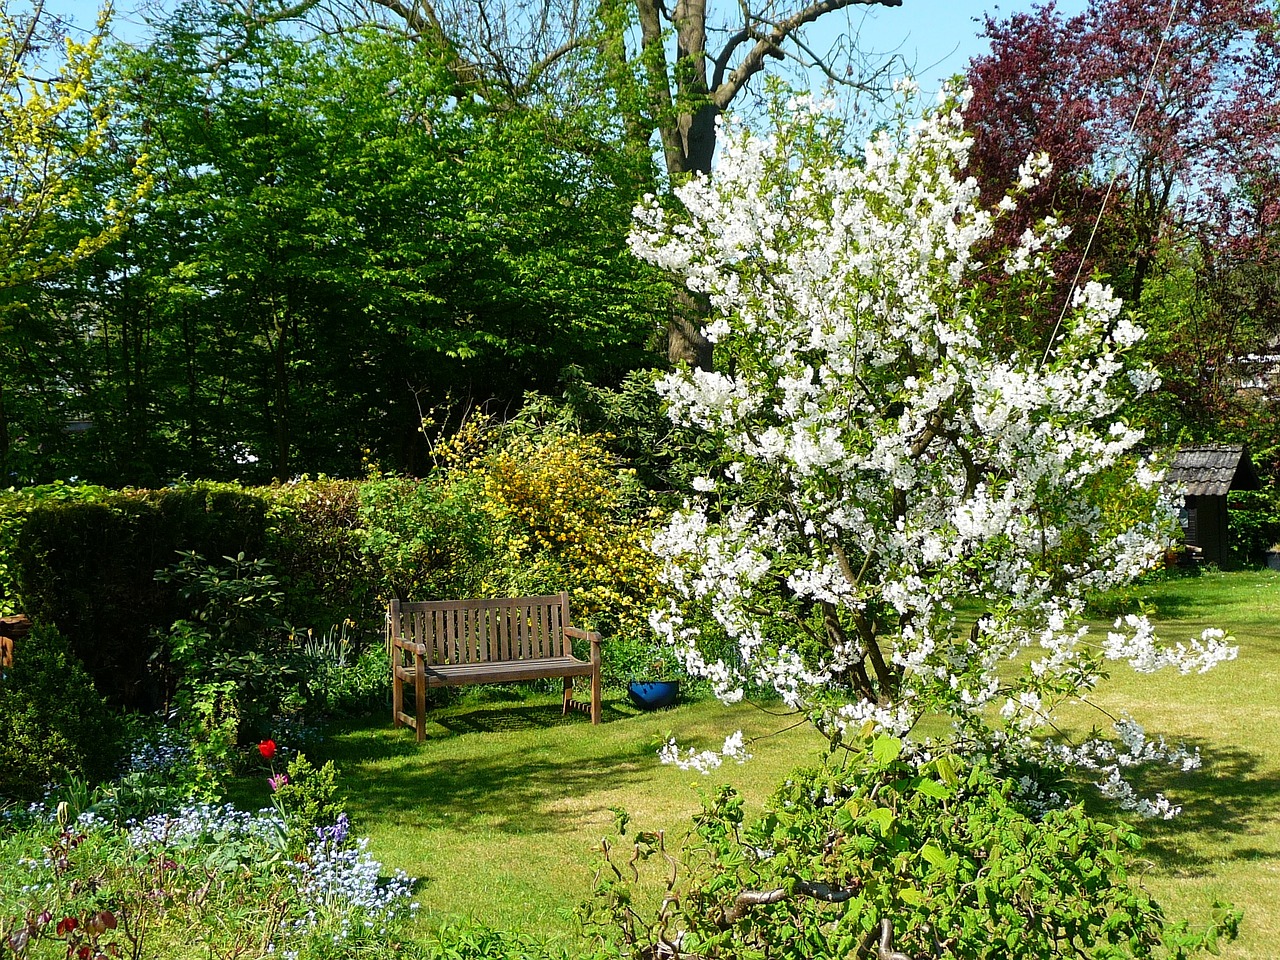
(723, 91)
(746, 899)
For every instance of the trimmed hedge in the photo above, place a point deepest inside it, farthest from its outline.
(88, 568)
(546, 510)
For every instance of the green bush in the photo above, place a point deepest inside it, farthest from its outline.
(89, 569)
(430, 539)
(315, 543)
(1254, 523)
(941, 850)
(56, 727)
(232, 655)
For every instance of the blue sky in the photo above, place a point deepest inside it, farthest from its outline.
(936, 36)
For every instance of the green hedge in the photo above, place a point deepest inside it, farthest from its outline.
(88, 568)
(85, 559)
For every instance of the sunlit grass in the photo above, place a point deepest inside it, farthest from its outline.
(1226, 843)
(501, 809)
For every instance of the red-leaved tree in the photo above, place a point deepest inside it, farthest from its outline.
(1174, 104)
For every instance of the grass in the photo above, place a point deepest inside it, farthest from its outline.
(500, 810)
(1226, 843)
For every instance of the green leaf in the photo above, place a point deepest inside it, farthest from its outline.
(882, 817)
(911, 896)
(886, 749)
(934, 855)
(932, 788)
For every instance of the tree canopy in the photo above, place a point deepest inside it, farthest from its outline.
(334, 245)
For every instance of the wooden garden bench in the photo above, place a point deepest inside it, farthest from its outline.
(442, 643)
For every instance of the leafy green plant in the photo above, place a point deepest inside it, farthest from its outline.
(932, 856)
(56, 726)
(342, 675)
(1254, 523)
(195, 881)
(429, 539)
(230, 653)
(305, 797)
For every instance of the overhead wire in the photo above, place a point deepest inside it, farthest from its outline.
(1097, 223)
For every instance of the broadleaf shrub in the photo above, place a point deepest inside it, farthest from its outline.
(941, 848)
(1254, 523)
(568, 516)
(88, 567)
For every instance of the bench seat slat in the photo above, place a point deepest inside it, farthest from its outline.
(506, 671)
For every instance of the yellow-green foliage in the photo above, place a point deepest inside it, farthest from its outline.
(54, 116)
(569, 518)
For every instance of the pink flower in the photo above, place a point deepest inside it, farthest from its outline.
(278, 781)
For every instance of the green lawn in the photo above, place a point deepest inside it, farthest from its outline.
(500, 810)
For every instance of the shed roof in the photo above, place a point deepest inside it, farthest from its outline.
(1213, 469)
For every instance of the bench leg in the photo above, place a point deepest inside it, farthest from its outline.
(397, 689)
(421, 677)
(568, 696)
(597, 662)
(595, 696)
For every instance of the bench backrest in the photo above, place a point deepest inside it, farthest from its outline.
(483, 631)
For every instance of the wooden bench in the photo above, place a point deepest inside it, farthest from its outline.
(443, 643)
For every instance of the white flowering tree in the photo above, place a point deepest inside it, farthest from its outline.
(910, 513)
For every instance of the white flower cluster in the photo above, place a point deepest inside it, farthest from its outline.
(203, 822)
(706, 760)
(347, 879)
(920, 457)
(1109, 760)
(160, 751)
(1144, 654)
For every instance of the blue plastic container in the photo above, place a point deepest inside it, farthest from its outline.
(653, 694)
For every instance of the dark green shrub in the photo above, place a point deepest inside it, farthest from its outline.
(15, 505)
(430, 540)
(56, 726)
(232, 654)
(89, 568)
(315, 543)
(1254, 523)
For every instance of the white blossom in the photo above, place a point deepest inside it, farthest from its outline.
(891, 454)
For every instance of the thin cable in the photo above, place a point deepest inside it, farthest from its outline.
(1097, 223)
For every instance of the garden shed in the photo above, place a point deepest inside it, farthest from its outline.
(1206, 475)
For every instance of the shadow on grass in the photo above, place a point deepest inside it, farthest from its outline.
(539, 717)
(514, 785)
(1230, 800)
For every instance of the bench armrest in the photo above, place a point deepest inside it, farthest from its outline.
(577, 633)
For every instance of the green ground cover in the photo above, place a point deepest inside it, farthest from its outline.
(500, 811)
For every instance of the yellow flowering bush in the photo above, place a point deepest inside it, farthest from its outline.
(569, 517)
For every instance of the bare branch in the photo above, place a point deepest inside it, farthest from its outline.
(722, 93)
(746, 899)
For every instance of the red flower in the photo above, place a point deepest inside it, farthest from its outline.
(66, 925)
(267, 748)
